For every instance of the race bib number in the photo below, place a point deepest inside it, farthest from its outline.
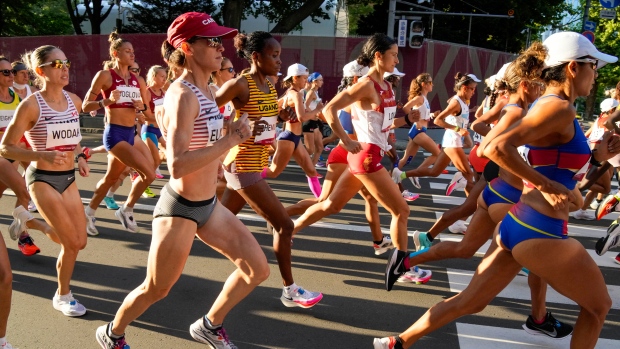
(582, 171)
(388, 118)
(215, 126)
(524, 151)
(597, 134)
(128, 94)
(63, 137)
(478, 138)
(228, 108)
(5, 119)
(269, 130)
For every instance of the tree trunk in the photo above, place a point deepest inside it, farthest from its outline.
(590, 100)
(288, 24)
(75, 19)
(232, 12)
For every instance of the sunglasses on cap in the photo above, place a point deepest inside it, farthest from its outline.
(230, 69)
(58, 63)
(134, 70)
(7, 72)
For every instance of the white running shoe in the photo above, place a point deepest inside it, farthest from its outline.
(584, 214)
(91, 229)
(416, 182)
(457, 182)
(32, 207)
(409, 196)
(300, 298)
(594, 204)
(384, 246)
(396, 175)
(68, 305)
(14, 230)
(458, 227)
(127, 220)
(215, 338)
(7, 345)
(416, 276)
(20, 217)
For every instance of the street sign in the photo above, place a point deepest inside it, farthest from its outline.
(610, 3)
(590, 26)
(589, 35)
(608, 14)
(402, 33)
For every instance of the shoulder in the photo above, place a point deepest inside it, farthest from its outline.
(29, 106)
(74, 98)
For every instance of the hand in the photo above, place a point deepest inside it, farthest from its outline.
(55, 157)
(240, 130)
(115, 96)
(435, 113)
(609, 146)
(414, 115)
(141, 118)
(83, 167)
(352, 146)
(463, 132)
(320, 106)
(557, 195)
(285, 114)
(399, 105)
(137, 103)
(258, 127)
(93, 113)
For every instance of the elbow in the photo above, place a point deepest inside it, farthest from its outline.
(494, 151)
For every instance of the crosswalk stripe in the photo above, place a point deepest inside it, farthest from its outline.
(519, 289)
(478, 336)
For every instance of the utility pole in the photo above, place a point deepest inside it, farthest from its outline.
(391, 15)
(591, 98)
(586, 15)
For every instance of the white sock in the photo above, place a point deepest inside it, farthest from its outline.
(110, 194)
(2, 341)
(89, 211)
(292, 287)
(127, 208)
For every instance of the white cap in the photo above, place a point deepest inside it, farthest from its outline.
(570, 46)
(352, 69)
(279, 74)
(295, 70)
(472, 76)
(608, 104)
(395, 72)
(501, 73)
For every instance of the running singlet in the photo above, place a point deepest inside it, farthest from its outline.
(424, 109)
(129, 91)
(55, 130)
(156, 101)
(7, 110)
(598, 130)
(315, 102)
(451, 138)
(252, 155)
(566, 163)
(227, 109)
(209, 123)
(372, 126)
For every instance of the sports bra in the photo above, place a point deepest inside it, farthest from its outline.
(372, 126)
(7, 110)
(55, 130)
(565, 163)
(129, 90)
(292, 111)
(156, 100)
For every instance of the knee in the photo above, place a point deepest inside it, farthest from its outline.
(286, 227)
(109, 179)
(600, 307)
(148, 176)
(464, 251)
(260, 274)
(75, 245)
(330, 207)
(155, 293)
(402, 210)
(6, 279)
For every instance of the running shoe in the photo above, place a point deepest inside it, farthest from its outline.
(384, 246)
(396, 175)
(68, 305)
(110, 203)
(524, 272)
(300, 298)
(7, 345)
(215, 338)
(148, 193)
(421, 241)
(134, 175)
(395, 267)
(457, 182)
(550, 327)
(320, 164)
(91, 229)
(327, 149)
(386, 343)
(127, 220)
(607, 206)
(158, 174)
(108, 342)
(14, 230)
(584, 214)
(86, 151)
(416, 182)
(409, 196)
(445, 172)
(31, 206)
(27, 247)
(610, 241)
(594, 204)
(416, 276)
(458, 227)
(617, 259)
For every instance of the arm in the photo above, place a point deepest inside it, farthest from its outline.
(481, 125)
(453, 108)
(181, 127)
(235, 90)
(149, 115)
(300, 107)
(101, 81)
(511, 116)
(415, 102)
(83, 167)
(610, 124)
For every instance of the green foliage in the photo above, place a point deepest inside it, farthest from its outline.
(34, 18)
(357, 9)
(277, 10)
(607, 40)
(154, 16)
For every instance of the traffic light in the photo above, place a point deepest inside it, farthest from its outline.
(416, 34)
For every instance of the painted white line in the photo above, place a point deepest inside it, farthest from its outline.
(519, 289)
(438, 186)
(478, 336)
(439, 214)
(447, 200)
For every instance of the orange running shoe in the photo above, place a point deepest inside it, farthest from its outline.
(27, 246)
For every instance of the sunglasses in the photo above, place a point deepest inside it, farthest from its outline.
(58, 63)
(7, 72)
(212, 42)
(134, 70)
(230, 69)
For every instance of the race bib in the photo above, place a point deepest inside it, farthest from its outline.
(5, 119)
(597, 134)
(228, 108)
(582, 171)
(269, 130)
(524, 151)
(128, 94)
(63, 136)
(477, 138)
(215, 125)
(389, 113)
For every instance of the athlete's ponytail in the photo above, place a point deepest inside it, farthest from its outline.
(34, 59)
(376, 43)
(115, 44)
(415, 89)
(173, 56)
(528, 66)
(247, 44)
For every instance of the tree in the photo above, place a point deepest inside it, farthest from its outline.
(154, 16)
(233, 12)
(37, 17)
(94, 11)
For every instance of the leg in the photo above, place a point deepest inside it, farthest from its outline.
(460, 161)
(334, 171)
(154, 151)
(440, 164)
(115, 168)
(538, 291)
(372, 214)
(427, 143)
(138, 158)
(410, 150)
(280, 158)
(232, 200)
(6, 287)
(318, 145)
(309, 143)
(302, 157)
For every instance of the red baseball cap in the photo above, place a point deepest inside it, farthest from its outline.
(191, 24)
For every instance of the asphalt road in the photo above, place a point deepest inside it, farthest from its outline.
(335, 257)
